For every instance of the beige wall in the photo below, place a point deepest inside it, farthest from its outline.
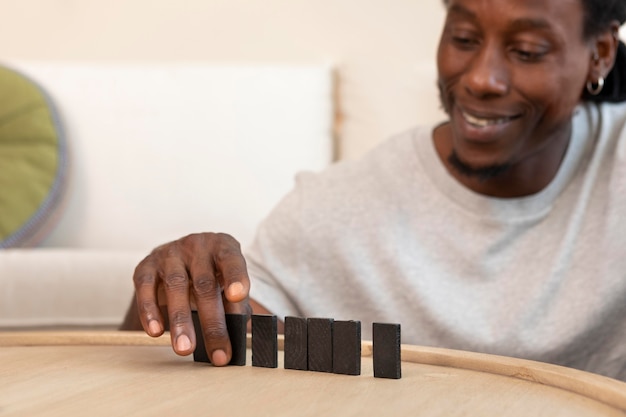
(382, 49)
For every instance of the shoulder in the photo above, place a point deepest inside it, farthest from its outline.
(612, 128)
(602, 125)
(614, 113)
(345, 189)
(396, 154)
(607, 118)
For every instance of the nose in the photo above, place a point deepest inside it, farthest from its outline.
(487, 74)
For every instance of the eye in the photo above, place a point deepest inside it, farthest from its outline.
(464, 40)
(459, 40)
(529, 56)
(530, 53)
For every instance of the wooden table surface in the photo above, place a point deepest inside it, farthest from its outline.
(129, 374)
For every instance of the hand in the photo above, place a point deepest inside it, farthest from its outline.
(207, 269)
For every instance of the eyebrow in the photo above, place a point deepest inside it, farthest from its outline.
(458, 9)
(529, 23)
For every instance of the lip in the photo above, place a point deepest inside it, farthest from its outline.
(483, 125)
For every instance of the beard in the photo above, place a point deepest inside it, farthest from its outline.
(481, 173)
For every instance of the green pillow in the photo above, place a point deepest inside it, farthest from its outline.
(32, 161)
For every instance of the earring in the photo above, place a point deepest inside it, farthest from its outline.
(595, 90)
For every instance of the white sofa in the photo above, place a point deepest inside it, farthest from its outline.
(158, 151)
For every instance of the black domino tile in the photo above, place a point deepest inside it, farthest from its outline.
(296, 343)
(320, 344)
(199, 354)
(264, 341)
(347, 347)
(386, 346)
(236, 325)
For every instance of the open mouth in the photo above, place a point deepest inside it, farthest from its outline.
(487, 121)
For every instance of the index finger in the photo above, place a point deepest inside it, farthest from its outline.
(145, 279)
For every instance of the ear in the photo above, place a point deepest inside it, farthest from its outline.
(603, 50)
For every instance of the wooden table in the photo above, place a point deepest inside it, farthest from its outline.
(130, 374)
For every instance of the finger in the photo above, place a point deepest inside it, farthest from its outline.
(207, 292)
(145, 279)
(176, 286)
(231, 265)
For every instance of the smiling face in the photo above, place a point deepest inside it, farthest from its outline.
(510, 75)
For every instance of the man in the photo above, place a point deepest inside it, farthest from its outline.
(499, 231)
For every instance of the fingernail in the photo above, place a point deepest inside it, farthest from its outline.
(183, 343)
(219, 358)
(154, 327)
(235, 289)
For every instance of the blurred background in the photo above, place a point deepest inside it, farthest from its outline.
(382, 50)
(187, 116)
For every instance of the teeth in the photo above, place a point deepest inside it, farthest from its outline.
(476, 121)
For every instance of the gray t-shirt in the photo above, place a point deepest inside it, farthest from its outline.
(393, 237)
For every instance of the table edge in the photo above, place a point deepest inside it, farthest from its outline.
(599, 388)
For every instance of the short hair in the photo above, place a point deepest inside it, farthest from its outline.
(598, 17)
(599, 14)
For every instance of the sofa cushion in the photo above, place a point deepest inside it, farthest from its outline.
(32, 161)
